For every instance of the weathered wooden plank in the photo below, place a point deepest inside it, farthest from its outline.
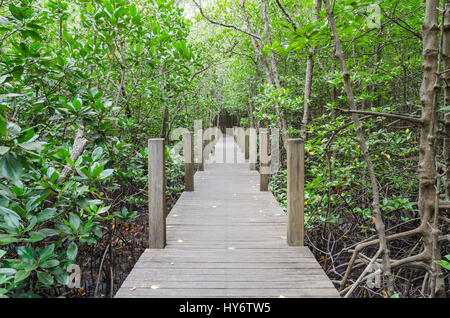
(225, 292)
(227, 284)
(258, 260)
(166, 277)
(228, 265)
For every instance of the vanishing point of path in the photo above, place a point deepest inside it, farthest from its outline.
(227, 239)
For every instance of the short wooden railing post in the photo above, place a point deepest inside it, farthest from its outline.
(188, 151)
(246, 144)
(264, 160)
(199, 145)
(253, 148)
(295, 192)
(157, 193)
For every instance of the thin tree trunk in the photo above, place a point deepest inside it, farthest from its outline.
(446, 60)
(379, 224)
(274, 70)
(257, 46)
(429, 90)
(309, 76)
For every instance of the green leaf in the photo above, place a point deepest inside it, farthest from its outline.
(46, 252)
(25, 252)
(109, 8)
(27, 135)
(96, 169)
(17, 71)
(77, 104)
(97, 153)
(45, 278)
(444, 264)
(49, 264)
(45, 232)
(74, 220)
(62, 278)
(70, 162)
(119, 12)
(46, 215)
(11, 167)
(32, 34)
(106, 173)
(7, 239)
(12, 221)
(103, 209)
(2, 126)
(72, 251)
(16, 12)
(3, 150)
(21, 275)
(7, 271)
(133, 10)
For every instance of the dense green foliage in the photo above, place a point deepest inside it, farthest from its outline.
(67, 64)
(386, 78)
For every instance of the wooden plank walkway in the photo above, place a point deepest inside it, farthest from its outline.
(227, 239)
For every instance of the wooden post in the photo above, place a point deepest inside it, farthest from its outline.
(199, 145)
(253, 148)
(295, 192)
(264, 160)
(188, 151)
(246, 144)
(157, 193)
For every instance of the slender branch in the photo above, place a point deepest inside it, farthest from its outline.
(225, 25)
(294, 25)
(79, 144)
(412, 119)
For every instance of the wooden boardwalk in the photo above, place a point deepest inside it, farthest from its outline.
(227, 239)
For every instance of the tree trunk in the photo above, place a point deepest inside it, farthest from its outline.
(257, 46)
(275, 74)
(446, 60)
(379, 224)
(309, 75)
(428, 96)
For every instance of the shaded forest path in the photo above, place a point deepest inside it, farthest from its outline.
(227, 239)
